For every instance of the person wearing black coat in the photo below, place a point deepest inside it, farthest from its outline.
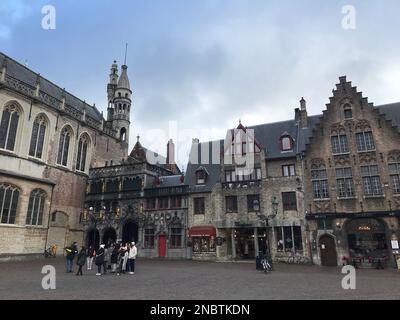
(80, 261)
(99, 261)
(71, 251)
(114, 258)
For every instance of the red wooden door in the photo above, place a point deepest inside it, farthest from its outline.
(162, 246)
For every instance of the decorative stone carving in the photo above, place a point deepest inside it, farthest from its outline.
(342, 160)
(317, 163)
(362, 125)
(322, 206)
(394, 156)
(337, 129)
(367, 158)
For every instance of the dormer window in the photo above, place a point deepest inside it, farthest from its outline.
(286, 143)
(201, 175)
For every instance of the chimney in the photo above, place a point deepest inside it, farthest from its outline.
(303, 114)
(170, 152)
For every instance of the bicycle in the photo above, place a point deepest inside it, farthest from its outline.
(267, 267)
(297, 259)
(51, 252)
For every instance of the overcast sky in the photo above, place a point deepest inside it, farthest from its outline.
(205, 64)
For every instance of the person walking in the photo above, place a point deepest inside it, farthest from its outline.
(123, 258)
(106, 259)
(71, 251)
(132, 257)
(114, 259)
(99, 261)
(91, 253)
(80, 260)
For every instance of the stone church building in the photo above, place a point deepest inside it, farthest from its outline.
(49, 140)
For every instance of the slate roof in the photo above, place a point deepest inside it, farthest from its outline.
(268, 136)
(25, 75)
(391, 112)
(212, 169)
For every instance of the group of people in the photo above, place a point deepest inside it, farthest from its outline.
(118, 258)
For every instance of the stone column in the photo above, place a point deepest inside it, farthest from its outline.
(256, 249)
(233, 243)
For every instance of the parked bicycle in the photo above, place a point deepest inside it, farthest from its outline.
(51, 252)
(267, 267)
(297, 259)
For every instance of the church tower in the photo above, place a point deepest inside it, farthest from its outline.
(119, 100)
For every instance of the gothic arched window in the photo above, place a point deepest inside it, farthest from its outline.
(63, 147)
(36, 208)
(8, 127)
(8, 203)
(82, 153)
(37, 138)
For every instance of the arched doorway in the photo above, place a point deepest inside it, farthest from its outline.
(109, 236)
(130, 232)
(367, 238)
(93, 238)
(327, 249)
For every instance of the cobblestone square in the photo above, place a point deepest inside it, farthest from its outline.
(176, 280)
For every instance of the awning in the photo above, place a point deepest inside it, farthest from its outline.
(202, 231)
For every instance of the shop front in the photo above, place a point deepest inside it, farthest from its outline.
(367, 242)
(203, 241)
(364, 240)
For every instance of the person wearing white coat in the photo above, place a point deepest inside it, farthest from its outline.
(132, 257)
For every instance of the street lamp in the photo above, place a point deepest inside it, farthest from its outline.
(271, 216)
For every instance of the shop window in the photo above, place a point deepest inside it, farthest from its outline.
(203, 244)
(289, 239)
